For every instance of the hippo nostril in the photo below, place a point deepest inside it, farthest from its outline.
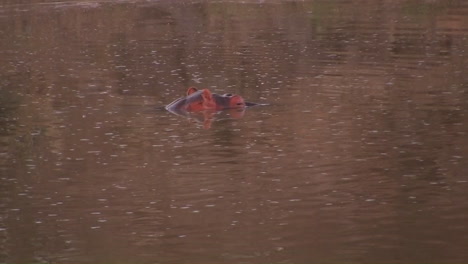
(228, 95)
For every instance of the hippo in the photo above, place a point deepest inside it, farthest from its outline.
(205, 106)
(199, 100)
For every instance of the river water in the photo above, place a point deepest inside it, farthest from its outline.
(359, 156)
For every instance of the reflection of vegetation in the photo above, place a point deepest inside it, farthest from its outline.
(9, 115)
(426, 10)
(8, 110)
(18, 139)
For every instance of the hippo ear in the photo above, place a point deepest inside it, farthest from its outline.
(207, 95)
(191, 90)
(208, 100)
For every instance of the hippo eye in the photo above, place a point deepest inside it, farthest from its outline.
(228, 95)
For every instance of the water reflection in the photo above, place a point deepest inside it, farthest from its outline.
(206, 117)
(361, 156)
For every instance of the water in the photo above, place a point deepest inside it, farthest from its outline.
(359, 156)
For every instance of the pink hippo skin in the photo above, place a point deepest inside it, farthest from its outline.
(202, 105)
(199, 100)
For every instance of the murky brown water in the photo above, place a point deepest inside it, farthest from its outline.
(361, 156)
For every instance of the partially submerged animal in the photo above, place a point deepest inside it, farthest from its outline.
(198, 100)
(203, 104)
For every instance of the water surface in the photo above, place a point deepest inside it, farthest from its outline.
(360, 156)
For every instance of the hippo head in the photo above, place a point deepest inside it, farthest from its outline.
(198, 100)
